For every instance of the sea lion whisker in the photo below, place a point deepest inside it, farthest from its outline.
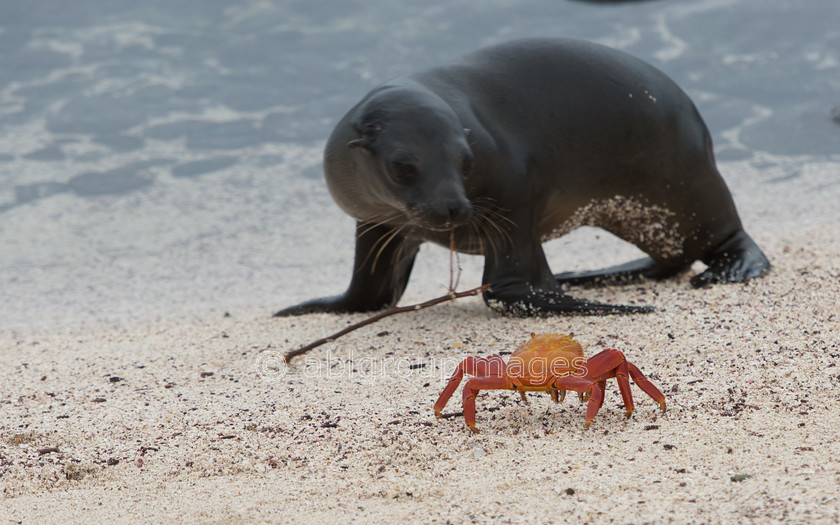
(488, 208)
(383, 242)
(397, 257)
(378, 246)
(480, 232)
(383, 218)
(488, 218)
(491, 224)
(475, 232)
(377, 221)
(490, 234)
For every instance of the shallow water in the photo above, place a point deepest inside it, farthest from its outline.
(164, 157)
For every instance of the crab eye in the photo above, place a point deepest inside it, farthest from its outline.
(403, 172)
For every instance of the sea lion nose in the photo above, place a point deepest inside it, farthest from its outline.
(460, 212)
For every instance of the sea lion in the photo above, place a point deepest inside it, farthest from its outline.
(519, 143)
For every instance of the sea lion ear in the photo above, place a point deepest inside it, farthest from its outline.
(367, 135)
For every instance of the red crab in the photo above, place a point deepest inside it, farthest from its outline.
(552, 363)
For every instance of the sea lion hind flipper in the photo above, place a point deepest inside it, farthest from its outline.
(523, 300)
(629, 272)
(736, 259)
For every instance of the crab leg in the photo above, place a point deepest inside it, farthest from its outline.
(612, 363)
(602, 384)
(593, 390)
(603, 364)
(474, 366)
(471, 390)
(622, 375)
(648, 387)
(556, 395)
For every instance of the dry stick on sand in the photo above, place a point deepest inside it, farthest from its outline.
(387, 313)
(452, 295)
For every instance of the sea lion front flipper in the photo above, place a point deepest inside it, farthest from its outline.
(736, 259)
(629, 272)
(334, 304)
(383, 263)
(518, 298)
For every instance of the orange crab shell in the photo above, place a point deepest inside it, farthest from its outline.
(542, 357)
(550, 363)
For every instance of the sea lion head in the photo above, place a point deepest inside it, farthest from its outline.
(401, 151)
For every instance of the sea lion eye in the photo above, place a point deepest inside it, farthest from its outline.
(403, 172)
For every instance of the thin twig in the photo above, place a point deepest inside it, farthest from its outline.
(387, 313)
(454, 263)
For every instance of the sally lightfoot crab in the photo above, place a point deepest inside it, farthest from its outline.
(550, 363)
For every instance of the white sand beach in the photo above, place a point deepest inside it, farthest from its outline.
(192, 420)
(161, 195)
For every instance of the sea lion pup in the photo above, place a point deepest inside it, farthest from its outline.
(519, 143)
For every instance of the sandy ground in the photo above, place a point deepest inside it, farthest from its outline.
(195, 420)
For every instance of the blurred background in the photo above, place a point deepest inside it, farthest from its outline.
(163, 158)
